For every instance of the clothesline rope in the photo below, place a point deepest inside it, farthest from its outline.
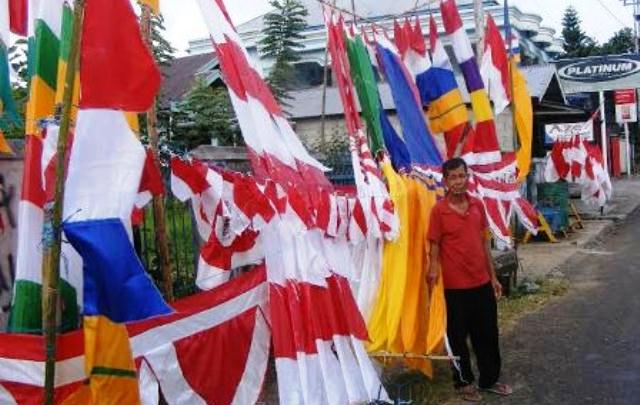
(372, 22)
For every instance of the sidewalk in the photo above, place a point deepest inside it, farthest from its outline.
(539, 259)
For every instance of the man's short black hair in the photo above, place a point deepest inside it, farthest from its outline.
(452, 164)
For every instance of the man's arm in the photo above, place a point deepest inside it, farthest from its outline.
(434, 262)
(497, 287)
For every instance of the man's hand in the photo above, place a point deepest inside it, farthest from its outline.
(497, 287)
(432, 276)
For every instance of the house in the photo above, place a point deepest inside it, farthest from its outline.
(310, 104)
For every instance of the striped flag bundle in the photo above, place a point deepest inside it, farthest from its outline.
(213, 350)
(318, 331)
(493, 175)
(482, 147)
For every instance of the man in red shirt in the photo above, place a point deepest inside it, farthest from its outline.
(460, 245)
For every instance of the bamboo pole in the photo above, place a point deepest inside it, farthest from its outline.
(159, 220)
(51, 259)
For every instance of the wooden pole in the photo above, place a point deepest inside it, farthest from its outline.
(52, 247)
(479, 20)
(325, 78)
(159, 220)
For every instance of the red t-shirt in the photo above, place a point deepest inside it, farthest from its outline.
(462, 244)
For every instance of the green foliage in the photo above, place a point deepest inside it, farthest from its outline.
(205, 115)
(282, 40)
(620, 42)
(162, 49)
(576, 42)
(17, 54)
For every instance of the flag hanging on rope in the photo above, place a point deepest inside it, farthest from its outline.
(482, 146)
(50, 25)
(521, 101)
(381, 132)
(101, 191)
(495, 68)
(420, 143)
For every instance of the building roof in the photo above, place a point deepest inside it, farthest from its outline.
(541, 79)
(180, 76)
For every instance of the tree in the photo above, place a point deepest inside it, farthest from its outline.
(207, 114)
(621, 42)
(576, 42)
(282, 40)
(17, 55)
(162, 49)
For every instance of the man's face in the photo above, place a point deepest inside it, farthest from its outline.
(456, 180)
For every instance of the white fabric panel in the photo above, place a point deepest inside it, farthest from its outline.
(247, 391)
(175, 388)
(105, 167)
(461, 45)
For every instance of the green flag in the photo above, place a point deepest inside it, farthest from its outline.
(365, 82)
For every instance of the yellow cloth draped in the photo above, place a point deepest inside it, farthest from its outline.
(405, 319)
(524, 121)
(415, 317)
(384, 324)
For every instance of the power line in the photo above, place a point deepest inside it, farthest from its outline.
(612, 14)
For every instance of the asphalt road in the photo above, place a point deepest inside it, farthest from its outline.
(583, 348)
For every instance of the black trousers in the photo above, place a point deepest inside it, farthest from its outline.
(473, 313)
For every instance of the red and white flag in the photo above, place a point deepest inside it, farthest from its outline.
(495, 67)
(298, 270)
(213, 350)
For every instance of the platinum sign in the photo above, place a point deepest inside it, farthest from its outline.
(599, 73)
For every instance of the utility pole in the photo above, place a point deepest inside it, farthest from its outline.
(479, 20)
(636, 21)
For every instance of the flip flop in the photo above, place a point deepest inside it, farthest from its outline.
(499, 389)
(470, 394)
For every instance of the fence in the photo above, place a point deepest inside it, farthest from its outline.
(184, 245)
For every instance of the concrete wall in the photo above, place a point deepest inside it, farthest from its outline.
(10, 186)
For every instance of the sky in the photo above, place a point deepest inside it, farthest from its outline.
(600, 18)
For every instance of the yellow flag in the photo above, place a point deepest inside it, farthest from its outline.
(524, 121)
(109, 366)
(154, 5)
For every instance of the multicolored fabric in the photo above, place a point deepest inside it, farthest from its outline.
(213, 349)
(482, 145)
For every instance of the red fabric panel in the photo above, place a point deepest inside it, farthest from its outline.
(18, 17)
(191, 174)
(499, 57)
(151, 177)
(450, 16)
(116, 68)
(32, 395)
(32, 188)
(242, 79)
(225, 350)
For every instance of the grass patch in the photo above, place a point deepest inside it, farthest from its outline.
(520, 303)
